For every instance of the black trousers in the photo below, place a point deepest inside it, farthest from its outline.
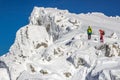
(89, 36)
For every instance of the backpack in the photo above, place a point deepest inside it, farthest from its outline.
(103, 32)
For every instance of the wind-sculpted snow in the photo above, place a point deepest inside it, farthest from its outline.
(54, 46)
(4, 70)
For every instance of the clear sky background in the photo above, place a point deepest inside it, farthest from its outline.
(15, 13)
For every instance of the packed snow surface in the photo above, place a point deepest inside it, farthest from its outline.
(54, 46)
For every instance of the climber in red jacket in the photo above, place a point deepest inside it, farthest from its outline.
(101, 35)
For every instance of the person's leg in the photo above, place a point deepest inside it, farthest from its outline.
(101, 39)
(88, 37)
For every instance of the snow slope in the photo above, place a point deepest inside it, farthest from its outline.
(54, 46)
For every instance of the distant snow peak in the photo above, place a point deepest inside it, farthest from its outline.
(98, 13)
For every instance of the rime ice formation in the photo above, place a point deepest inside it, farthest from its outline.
(54, 46)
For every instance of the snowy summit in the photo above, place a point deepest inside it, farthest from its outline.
(54, 46)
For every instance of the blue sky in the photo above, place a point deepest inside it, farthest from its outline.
(14, 14)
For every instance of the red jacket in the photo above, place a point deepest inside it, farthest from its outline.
(101, 33)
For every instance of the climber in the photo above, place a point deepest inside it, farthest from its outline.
(89, 32)
(101, 35)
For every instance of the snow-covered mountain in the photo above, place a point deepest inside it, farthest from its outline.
(54, 46)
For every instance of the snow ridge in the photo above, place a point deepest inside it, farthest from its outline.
(54, 46)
